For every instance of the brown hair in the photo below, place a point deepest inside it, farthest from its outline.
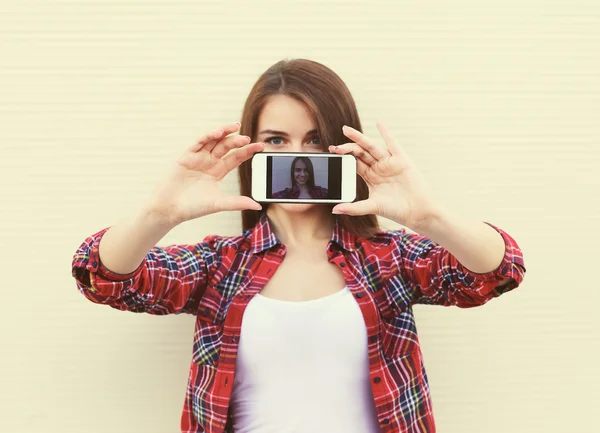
(329, 100)
(309, 168)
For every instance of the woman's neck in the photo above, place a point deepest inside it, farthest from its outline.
(297, 229)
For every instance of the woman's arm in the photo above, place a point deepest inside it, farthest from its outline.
(124, 245)
(122, 267)
(477, 245)
(452, 261)
(455, 261)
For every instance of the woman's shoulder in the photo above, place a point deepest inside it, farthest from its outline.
(219, 243)
(282, 193)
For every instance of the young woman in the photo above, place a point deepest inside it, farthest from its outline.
(304, 321)
(302, 176)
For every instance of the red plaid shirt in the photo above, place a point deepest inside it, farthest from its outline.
(294, 192)
(216, 278)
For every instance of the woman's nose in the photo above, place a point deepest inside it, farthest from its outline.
(296, 147)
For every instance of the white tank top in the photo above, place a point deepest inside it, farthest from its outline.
(302, 367)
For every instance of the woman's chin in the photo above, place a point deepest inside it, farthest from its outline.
(296, 207)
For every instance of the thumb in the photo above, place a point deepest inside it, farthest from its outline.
(237, 203)
(363, 207)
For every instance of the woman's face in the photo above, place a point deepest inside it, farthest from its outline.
(301, 173)
(286, 125)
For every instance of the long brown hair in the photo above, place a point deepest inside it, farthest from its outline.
(329, 100)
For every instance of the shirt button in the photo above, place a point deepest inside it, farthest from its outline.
(377, 379)
(94, 264)
(360, 294)
(373, 338)
(342, 264)
(234, 338)
(386, 421)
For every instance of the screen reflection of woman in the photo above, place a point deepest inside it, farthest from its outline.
(302, 175)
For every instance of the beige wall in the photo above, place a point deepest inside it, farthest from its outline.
(497, 101)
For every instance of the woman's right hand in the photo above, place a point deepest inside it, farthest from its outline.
(192, 187)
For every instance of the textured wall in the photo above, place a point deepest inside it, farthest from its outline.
(498, 103)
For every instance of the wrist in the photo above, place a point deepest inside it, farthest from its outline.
(431, 222)
(159, 219)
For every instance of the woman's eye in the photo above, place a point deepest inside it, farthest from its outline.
(269, 140)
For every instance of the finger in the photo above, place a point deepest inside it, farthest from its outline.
(209, 141)
(235, 158)
(367, 171)
(229, 143)
(236, 203)
(356, 150)
(207, 138)
(227, 129)
(393, 146)
(363, 207)
(366, 143)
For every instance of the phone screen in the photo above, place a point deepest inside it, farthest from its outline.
(304, 177)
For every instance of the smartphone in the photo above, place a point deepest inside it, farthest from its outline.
(303, 177)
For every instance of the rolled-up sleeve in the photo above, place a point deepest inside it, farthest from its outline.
(438, 278)
(170, 280)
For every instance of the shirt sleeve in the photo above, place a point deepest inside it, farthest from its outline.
(439, 278)
(170, 280)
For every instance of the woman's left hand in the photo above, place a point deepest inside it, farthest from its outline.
(397, 190)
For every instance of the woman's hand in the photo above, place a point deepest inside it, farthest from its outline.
(192, 187)
(397, 190)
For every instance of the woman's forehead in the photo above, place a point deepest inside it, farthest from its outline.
(285, 114)
(300, 164)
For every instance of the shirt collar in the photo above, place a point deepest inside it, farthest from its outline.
(263, 238)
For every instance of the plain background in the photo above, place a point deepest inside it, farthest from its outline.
(281, 172)
(497, 101)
